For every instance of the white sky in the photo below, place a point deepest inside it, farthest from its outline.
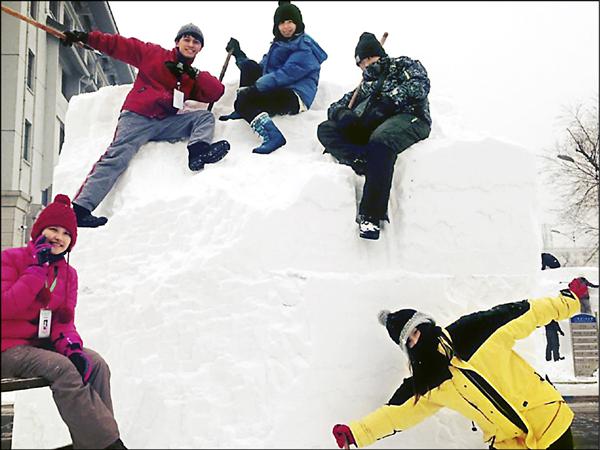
(509, 68)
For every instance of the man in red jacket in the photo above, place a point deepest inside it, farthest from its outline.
(164, 81)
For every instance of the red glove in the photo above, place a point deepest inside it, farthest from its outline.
(343, 435)
(579, 287)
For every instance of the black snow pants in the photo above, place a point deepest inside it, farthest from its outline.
(280, 101)
(376, 158)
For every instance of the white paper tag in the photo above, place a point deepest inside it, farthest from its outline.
(45, 322)
(177, 99)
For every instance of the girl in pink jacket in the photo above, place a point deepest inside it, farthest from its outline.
(39, 338)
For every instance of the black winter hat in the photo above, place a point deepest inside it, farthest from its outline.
(401, 323)
(190, 30)
(368, 45)
(287, 11)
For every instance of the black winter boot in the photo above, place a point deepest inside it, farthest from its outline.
(85, 218)
(368, 227)
(200, 153)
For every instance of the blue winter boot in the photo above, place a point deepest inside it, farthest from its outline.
(266, 129)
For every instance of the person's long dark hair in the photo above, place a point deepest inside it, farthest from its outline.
(429, 367)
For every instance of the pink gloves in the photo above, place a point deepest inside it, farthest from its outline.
(579, 287)
(343, 435)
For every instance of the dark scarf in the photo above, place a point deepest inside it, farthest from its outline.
(54, 258)
(183, 65)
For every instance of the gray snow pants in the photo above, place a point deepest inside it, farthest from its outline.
(86, 409)
(133, 131)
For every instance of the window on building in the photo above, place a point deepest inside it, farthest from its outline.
(63, 84)
(33, 8)
(61, 135)
(87, 22)
(67, 22)
(46, 195)
(30, 69)
(27, 136)
(54, 10)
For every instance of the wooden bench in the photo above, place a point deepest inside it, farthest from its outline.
(20, 384)
(8, 412)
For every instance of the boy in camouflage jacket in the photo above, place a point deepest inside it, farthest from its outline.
(391, 113)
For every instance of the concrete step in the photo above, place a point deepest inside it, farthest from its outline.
(585, 345)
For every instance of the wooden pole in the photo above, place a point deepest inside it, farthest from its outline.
(223, 70)
(35, 23)
(353, 99)
(53, 31)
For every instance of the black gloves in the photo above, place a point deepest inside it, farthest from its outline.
(74, 36)
(351, 125)
(82, 364)
(43, 250)
(346, 118)
(378, 110)
(233, 46)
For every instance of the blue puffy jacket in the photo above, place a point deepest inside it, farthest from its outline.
(294, 64)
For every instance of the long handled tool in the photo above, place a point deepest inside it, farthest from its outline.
(353, 99)
(53, 31)
(223, 70)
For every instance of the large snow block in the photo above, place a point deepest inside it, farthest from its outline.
(457, 207)
(237, 305)
(465, 207)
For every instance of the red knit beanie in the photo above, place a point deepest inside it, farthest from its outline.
(58, 213)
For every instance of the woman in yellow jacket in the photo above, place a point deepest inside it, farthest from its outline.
(471, 367)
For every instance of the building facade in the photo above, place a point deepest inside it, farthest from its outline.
(39, 77)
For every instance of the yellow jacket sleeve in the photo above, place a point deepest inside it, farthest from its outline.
(390, 419)
(541, 311)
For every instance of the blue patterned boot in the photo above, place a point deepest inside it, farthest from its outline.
(266, 129)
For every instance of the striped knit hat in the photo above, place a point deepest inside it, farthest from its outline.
(400, 324)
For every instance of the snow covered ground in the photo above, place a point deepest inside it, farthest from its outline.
(237, 307)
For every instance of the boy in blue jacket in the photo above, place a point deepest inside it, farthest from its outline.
(284, 82)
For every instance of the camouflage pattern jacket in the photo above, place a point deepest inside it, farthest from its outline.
(401, 82)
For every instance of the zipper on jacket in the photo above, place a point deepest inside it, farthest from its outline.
(495, 398)
(476, 408)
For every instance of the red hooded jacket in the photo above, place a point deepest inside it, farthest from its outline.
(23, 296)
(152, 92)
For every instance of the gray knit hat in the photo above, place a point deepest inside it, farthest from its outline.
(400, 324)
(190, 30)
